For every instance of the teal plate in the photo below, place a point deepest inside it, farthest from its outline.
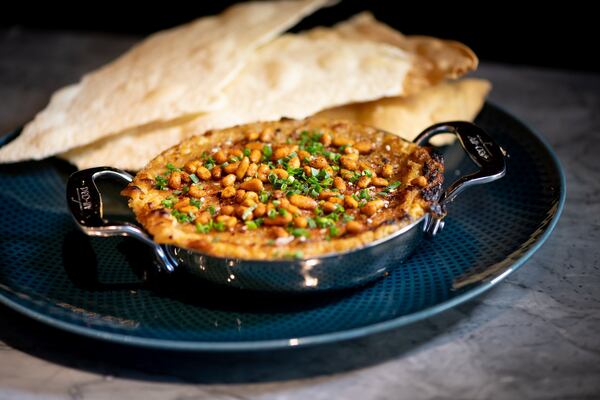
(104, 288)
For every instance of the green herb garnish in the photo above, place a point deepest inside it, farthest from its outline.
(390, 188)
(161, 182)
(267, 151)
(248, 212)
(172, 168)
(194, 178)
(196, 203)
(264, 196)
(169, 202)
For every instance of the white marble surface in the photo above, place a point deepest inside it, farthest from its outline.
(536, 335)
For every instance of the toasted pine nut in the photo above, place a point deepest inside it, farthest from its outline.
(293, 209)
(240, 173)
(325, 139)
(255, 146)
(227, 210)
(182, 203)
(227, 220)
(240, 210)
(354, 227)
(281, 173)
(336, 200)
(260, 210)
(349, 162)
(303, 154)
(346, 174)
(350, 150)
(279, 220)
(263, 172)
(203, 218)
(236, 153)
(191, 166)
(216, 172)
(340, 140)
(203, 173)
(328, 207)
(372, 207)
(377, 181)
(266, 135)
(281, 152)
(175, 180)
(228, 192)
(252, 168)
(304, 202)
(294, 162)
(364, 147)
(326, 194)
(278, 232)
(188, 209)
(249, 202)
(253, 184)
(231, 168)
(339, 184)
(350, 202)
(196, 192)
(220, 157)
(300, 222)
(255, 155)
(229, 180)
(363, 182)
(251, 135)
(240, 195)
(251, 196)
(319, 162)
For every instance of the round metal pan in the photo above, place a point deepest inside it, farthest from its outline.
(328, 272)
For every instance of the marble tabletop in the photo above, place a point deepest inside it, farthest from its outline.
(536, 335)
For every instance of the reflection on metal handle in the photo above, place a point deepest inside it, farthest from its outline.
(483, 151)
(85, 203)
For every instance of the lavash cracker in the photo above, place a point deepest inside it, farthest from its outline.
(170, 74)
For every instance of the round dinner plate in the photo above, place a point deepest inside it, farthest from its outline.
(104, 287)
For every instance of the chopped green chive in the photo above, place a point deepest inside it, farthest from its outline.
(161, 182)
(194, 178)
(196, 203)
(172, 168)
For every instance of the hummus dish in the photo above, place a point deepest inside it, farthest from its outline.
(285, 189)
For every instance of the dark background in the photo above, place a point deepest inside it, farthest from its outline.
(564, 35)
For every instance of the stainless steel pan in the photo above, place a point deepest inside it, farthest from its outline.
(332, 271)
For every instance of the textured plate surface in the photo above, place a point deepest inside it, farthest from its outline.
(102, 287)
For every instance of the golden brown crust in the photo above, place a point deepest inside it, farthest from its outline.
(413, 176)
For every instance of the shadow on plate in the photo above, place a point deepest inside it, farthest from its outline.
(106, 358)
(81, 266)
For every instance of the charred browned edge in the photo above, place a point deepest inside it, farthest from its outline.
(433, 170)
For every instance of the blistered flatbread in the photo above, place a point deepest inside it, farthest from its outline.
(296, 76)
(169, 75)
(408, 116)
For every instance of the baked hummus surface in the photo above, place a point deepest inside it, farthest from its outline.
(285, 189)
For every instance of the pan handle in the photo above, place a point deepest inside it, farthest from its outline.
(483, 151)
(85, 203)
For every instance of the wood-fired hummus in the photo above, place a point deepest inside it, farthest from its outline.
(291, 188)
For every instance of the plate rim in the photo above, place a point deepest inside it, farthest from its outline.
(329, 337)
